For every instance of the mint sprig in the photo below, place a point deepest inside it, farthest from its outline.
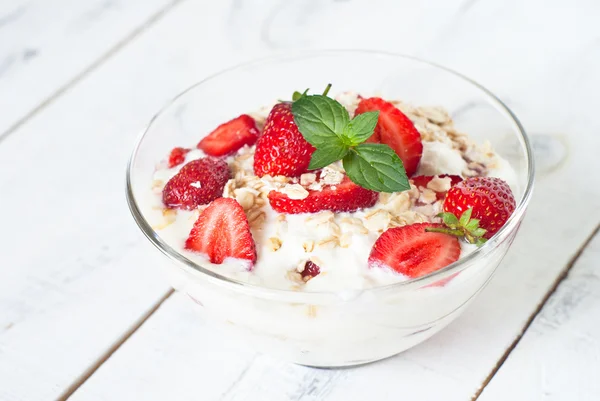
(326, 125)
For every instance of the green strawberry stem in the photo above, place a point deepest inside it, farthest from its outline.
(465, 227)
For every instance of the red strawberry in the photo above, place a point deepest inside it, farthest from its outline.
(423, 180)
(491, 199)
(281, 149)
(344, 197)
(411, 251)
(310, 270)
(222, 231)
(197, 183)
(395, 130)
(177, 156)
(230, 136)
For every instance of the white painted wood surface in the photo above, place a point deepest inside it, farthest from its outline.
(90, 275)
(558, 358)
(44, 45)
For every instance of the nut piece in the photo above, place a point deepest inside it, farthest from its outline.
(294, 191)
(307, 179)
(330, 176)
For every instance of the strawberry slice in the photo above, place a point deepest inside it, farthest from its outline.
(344, 197)
(423, 180)
(177, 156)
(222, 231)
(230, 136)
(411, 251)
(395, 130)
(197, 183)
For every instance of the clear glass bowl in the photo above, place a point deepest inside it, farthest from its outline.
(333, 329)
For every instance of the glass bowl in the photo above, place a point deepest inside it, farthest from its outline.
(330, 329)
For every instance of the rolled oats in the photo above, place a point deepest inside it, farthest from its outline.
(345, 240)
(438, 184)
(308, 245)
(245, 199)
(319, 218)
(427, 196)
(274, 243)
(328, 243)
(307, 179)
(294, 191)
(377, 220)
(330, 176)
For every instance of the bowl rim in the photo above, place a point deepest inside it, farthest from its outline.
(455, 267)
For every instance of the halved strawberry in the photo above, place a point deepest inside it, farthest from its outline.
(197, 183)
(344, 197)
(423, 180)
(281, 149)
(230, 136)
(177, 156)
(222, 231)
(412, 251)
(491, 199)
(395, 130)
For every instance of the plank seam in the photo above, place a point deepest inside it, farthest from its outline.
(79, 381)
(91, 68)
(561, 277)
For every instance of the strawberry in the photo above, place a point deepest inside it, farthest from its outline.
(222, 231)
(490, 198)
(281, 149)
(197, 183)
(395, 130)
(230, 136)
(423, 180)
(310, 270)
(412, 251)
(177, 156)
(344, 197)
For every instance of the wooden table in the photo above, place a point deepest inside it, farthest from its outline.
(85, 311)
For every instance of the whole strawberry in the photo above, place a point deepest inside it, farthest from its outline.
(490, 198)
(197, 183)
(281, 149)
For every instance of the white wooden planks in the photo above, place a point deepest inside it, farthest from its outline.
(454, 364)
(89, 279)
(44, 45)
(558, 358)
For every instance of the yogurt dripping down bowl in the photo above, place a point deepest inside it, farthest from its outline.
(328, 60)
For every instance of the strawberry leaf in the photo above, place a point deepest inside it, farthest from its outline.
(465, 217)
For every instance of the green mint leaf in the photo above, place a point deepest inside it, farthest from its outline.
(319, 119)
(361, 127)
(377, 167)
(449, 219)
(327, 154)
(465, 217)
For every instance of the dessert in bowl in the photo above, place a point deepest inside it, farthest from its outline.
(338, 228)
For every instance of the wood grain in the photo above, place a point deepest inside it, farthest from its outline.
(47, 46)
(558, 358)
